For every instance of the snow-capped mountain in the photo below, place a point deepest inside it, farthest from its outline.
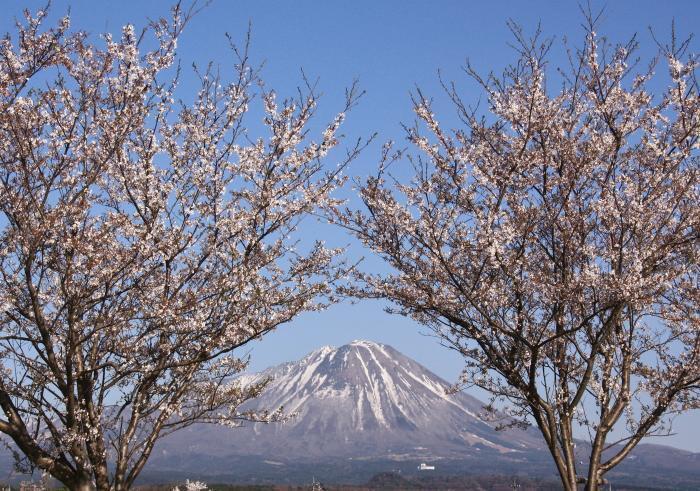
(361, 400)
(363, 409)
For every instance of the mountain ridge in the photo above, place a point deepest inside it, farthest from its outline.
(365, 408)
(385, 399)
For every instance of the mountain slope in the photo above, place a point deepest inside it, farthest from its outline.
(365, 408)
(361, 400)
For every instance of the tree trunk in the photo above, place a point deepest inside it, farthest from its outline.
(84, 484)
(567, 474)
(101, 477)
(594, 477)
(593, 480)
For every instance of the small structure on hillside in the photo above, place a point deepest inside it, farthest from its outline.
(426, 467)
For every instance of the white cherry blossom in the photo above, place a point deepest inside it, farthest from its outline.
(143, 240)
(555, 244)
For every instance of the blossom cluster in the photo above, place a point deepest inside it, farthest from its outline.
(142, 240)
(554, 243)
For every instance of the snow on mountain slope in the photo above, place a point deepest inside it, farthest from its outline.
(360, 400)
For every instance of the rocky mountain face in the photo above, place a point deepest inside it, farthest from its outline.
(361, 400)
(363, 409)
(366, 400)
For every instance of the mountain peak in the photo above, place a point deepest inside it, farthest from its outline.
(361, 400)
(355, 405)
(319, 352)
(365, 343)
(369, 398)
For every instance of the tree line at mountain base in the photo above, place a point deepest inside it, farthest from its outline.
(398, 481)
(390, 480)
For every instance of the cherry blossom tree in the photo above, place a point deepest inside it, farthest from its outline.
(192, 486)
(142, 240)
(553, 242)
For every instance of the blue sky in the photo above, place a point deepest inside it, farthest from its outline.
(391, 47)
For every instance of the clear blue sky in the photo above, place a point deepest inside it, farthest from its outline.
(392, 47)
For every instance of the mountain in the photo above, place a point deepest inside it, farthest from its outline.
(365, 400)
(363, 409)
(365, 413)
